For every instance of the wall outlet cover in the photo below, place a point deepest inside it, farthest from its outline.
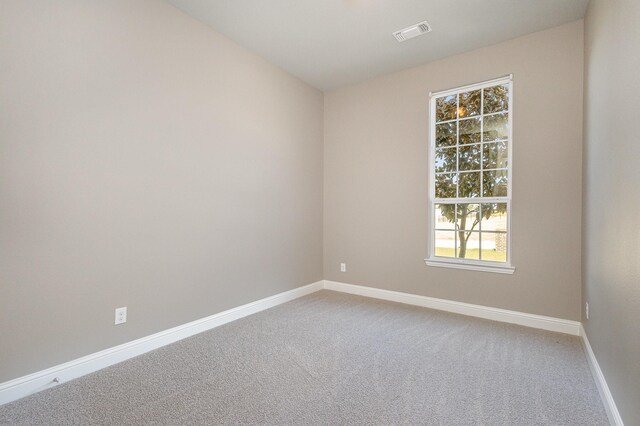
(121, 315)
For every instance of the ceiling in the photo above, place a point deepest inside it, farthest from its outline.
(334, 43)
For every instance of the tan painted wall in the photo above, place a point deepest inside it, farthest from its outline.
(375, 185)
(611, 233)
(148, 162)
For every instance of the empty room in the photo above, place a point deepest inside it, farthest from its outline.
(301, 212)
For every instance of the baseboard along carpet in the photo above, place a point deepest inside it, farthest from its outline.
(334, 358)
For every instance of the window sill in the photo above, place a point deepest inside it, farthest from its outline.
(469, 266)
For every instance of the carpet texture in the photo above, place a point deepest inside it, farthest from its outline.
(332, 358)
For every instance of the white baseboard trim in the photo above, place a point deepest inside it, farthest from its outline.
(29, 384)
(495, 314)
(601, 383)
(26, 385)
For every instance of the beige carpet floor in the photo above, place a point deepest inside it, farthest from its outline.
(331, 358)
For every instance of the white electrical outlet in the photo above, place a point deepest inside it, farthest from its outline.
(121, 315)
(343, 267)
(586, 309)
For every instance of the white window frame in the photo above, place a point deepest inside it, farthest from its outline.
(453, 262)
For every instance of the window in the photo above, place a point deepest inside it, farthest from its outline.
(470, 186)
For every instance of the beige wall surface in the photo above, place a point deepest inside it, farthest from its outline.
(376, 177)
(611, 236)
(147, 162)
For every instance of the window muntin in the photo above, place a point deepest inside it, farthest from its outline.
(470, 161)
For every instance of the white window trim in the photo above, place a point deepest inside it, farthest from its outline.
(468, 264)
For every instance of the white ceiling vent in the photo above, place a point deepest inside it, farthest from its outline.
(412, 31)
